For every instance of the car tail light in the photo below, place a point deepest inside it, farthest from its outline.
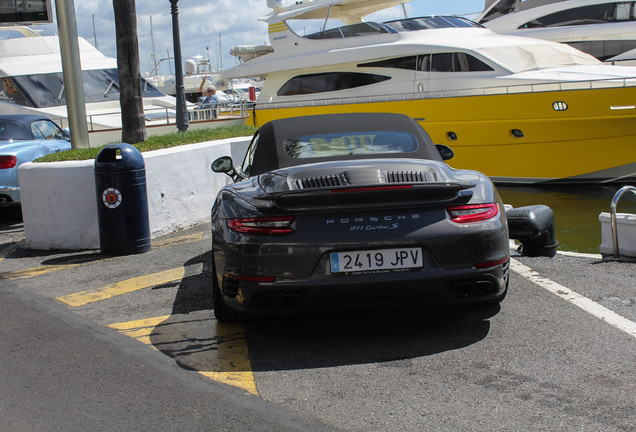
(7, 162)
(264, 225)
(473, 213)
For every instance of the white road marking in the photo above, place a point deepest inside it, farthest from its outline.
(580, 255)
(591, 307)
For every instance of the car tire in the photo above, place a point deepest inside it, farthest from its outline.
(222, 311)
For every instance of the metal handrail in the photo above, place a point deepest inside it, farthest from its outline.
(613, 206)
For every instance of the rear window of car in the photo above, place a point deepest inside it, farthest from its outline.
(9, 131)
(351, 143)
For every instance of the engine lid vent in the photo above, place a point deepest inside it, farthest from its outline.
(410, 176)
(322, 181)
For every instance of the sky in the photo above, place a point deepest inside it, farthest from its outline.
(203, 22)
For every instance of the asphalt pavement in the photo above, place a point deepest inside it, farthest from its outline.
(131, 343)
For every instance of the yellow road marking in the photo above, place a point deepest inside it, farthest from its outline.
(189, 238)
(124, 287)
(198, 342)
(36, 271)
(46, 269)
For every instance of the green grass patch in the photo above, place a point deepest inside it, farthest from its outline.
(159, 142)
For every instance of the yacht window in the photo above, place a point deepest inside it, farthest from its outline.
(350, 143)
(452, 62)
(443, 62)
(409, 62)
(605, 49)
(623, 11)
(434, 22)
(327, 82)
(503, 7)
(594, 14)
(353, 30)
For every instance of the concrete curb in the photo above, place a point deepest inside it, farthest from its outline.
(59, 203)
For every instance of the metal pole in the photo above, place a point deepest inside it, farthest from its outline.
(613, 223)
(152, 38)
(72, 72)
(95, 34)
(182, 110)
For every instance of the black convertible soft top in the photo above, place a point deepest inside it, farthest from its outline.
(270, 154)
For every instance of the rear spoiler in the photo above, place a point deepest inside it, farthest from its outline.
(371, 196)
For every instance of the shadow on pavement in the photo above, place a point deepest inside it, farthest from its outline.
(11, 226)
(10, 217)
(198, 342)
(369, 336)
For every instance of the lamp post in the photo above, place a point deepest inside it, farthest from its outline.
(72, 73)
(182, 111)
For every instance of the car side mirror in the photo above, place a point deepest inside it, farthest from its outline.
(225, 165)
(445, 151)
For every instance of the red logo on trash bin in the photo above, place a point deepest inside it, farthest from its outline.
(111, 198)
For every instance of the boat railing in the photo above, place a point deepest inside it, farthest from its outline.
(238, 108)
(439, 94)
(613, 222)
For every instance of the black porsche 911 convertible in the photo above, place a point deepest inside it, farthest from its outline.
(348, 210)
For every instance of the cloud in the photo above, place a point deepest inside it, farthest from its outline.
(200, 23)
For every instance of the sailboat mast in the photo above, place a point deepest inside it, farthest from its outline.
(95, 34)
(152, 38)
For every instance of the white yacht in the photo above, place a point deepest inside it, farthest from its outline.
(605, 29)
(521, 110)
(31, 82)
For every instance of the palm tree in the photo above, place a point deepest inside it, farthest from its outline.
(131, 101)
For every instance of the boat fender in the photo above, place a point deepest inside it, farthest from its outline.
(533, 226)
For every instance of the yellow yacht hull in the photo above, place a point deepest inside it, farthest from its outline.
(517, 138)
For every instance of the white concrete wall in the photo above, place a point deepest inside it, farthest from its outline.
(59, 204)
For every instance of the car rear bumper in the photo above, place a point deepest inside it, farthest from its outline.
(389, 289)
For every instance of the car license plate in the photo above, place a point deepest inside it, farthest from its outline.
(376, 260)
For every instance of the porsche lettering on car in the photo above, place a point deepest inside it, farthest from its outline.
(353, 210)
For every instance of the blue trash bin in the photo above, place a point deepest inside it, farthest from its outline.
(122, 200)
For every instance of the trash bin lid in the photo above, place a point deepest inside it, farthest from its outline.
(119, 157)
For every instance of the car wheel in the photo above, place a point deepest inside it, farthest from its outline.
(222, 311)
